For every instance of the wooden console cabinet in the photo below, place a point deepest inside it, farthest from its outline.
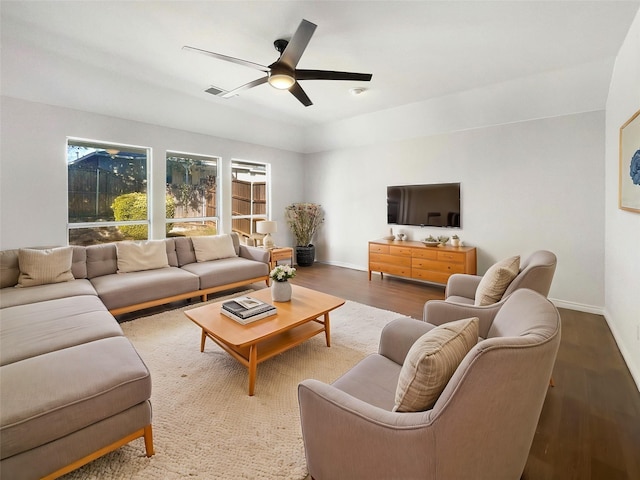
(416, 260)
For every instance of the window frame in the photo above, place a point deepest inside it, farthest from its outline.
(252, 217)
(203, 218)
(105, 145)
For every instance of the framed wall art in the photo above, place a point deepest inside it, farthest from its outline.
(629, 188)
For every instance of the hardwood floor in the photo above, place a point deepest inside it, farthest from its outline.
(589, 428)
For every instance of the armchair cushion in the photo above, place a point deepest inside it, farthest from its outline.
(431, 362)
(496, 280)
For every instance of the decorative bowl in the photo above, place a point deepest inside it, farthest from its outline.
(389, 237)
(431, 243)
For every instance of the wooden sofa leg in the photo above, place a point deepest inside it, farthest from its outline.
(148, 440)
(143, 432)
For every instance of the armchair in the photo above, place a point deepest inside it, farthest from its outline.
(481, 426)
(536, 273)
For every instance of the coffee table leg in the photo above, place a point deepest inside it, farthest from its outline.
(327, 329)
(253, 367)
(203, 337)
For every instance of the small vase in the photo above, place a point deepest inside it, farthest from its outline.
(281, 291)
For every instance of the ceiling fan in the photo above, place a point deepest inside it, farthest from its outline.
(283, 74)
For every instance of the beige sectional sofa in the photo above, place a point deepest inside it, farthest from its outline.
(72, 387)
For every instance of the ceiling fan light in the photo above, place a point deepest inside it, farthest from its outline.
(281, 81)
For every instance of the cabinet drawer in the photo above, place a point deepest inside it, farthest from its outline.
(437, 266)
(430, 275)
(376, 248)
(430, 253)
(457, 257)
(400, 251)
(403, 271)
(390, 259)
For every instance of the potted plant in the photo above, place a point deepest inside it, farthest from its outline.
(304, 219)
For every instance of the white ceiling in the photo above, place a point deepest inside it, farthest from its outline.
(125, 58)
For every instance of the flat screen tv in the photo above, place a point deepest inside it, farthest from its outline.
(433, 205)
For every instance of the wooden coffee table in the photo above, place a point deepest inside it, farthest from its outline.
(295, 322)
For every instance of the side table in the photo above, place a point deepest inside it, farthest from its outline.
(279, 253)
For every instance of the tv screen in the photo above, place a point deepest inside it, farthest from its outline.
(433, 205)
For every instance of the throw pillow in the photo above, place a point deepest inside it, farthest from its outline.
(139, 256)
(40, 267)
(496, 280)
(431, 362)
(213, 247)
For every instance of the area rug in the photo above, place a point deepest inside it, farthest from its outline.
(204, 423)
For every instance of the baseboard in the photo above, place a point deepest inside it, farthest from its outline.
(635, 372)
(580, 307)
(345, 265)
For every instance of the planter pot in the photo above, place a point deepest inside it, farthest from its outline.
(305, 255)
(280, 291)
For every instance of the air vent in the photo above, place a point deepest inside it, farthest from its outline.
(214, 90)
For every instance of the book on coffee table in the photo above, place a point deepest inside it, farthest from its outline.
(253, 318)
(245, 308)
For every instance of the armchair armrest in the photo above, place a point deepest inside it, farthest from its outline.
(462, 285)
(438, 312)
(254, 253)
(398, 336)
(347, 438)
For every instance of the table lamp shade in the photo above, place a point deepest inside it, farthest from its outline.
(267, 227)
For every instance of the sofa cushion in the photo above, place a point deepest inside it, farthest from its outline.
(226, 271)
(101, 260)
(431, 362)
(10, 269)
(140, 256)
(40, 461)
(213, 247)
(496, 280)
(10, 296)
(58, 393)
(41, 267)
(125, 289)
(172, 256)
(30, 330)
(186, 254)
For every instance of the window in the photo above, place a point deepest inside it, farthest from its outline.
(249, 182)
(192, 186)
(107, 192)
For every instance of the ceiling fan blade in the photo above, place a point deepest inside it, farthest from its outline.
(299, 93)
(237, 61)
(236, 91)
(297, 45)
(330, 75)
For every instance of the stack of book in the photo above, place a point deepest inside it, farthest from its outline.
(246, 309)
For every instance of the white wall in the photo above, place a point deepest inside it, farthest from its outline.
(622, 228)
(525, 186)
(33, 172)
